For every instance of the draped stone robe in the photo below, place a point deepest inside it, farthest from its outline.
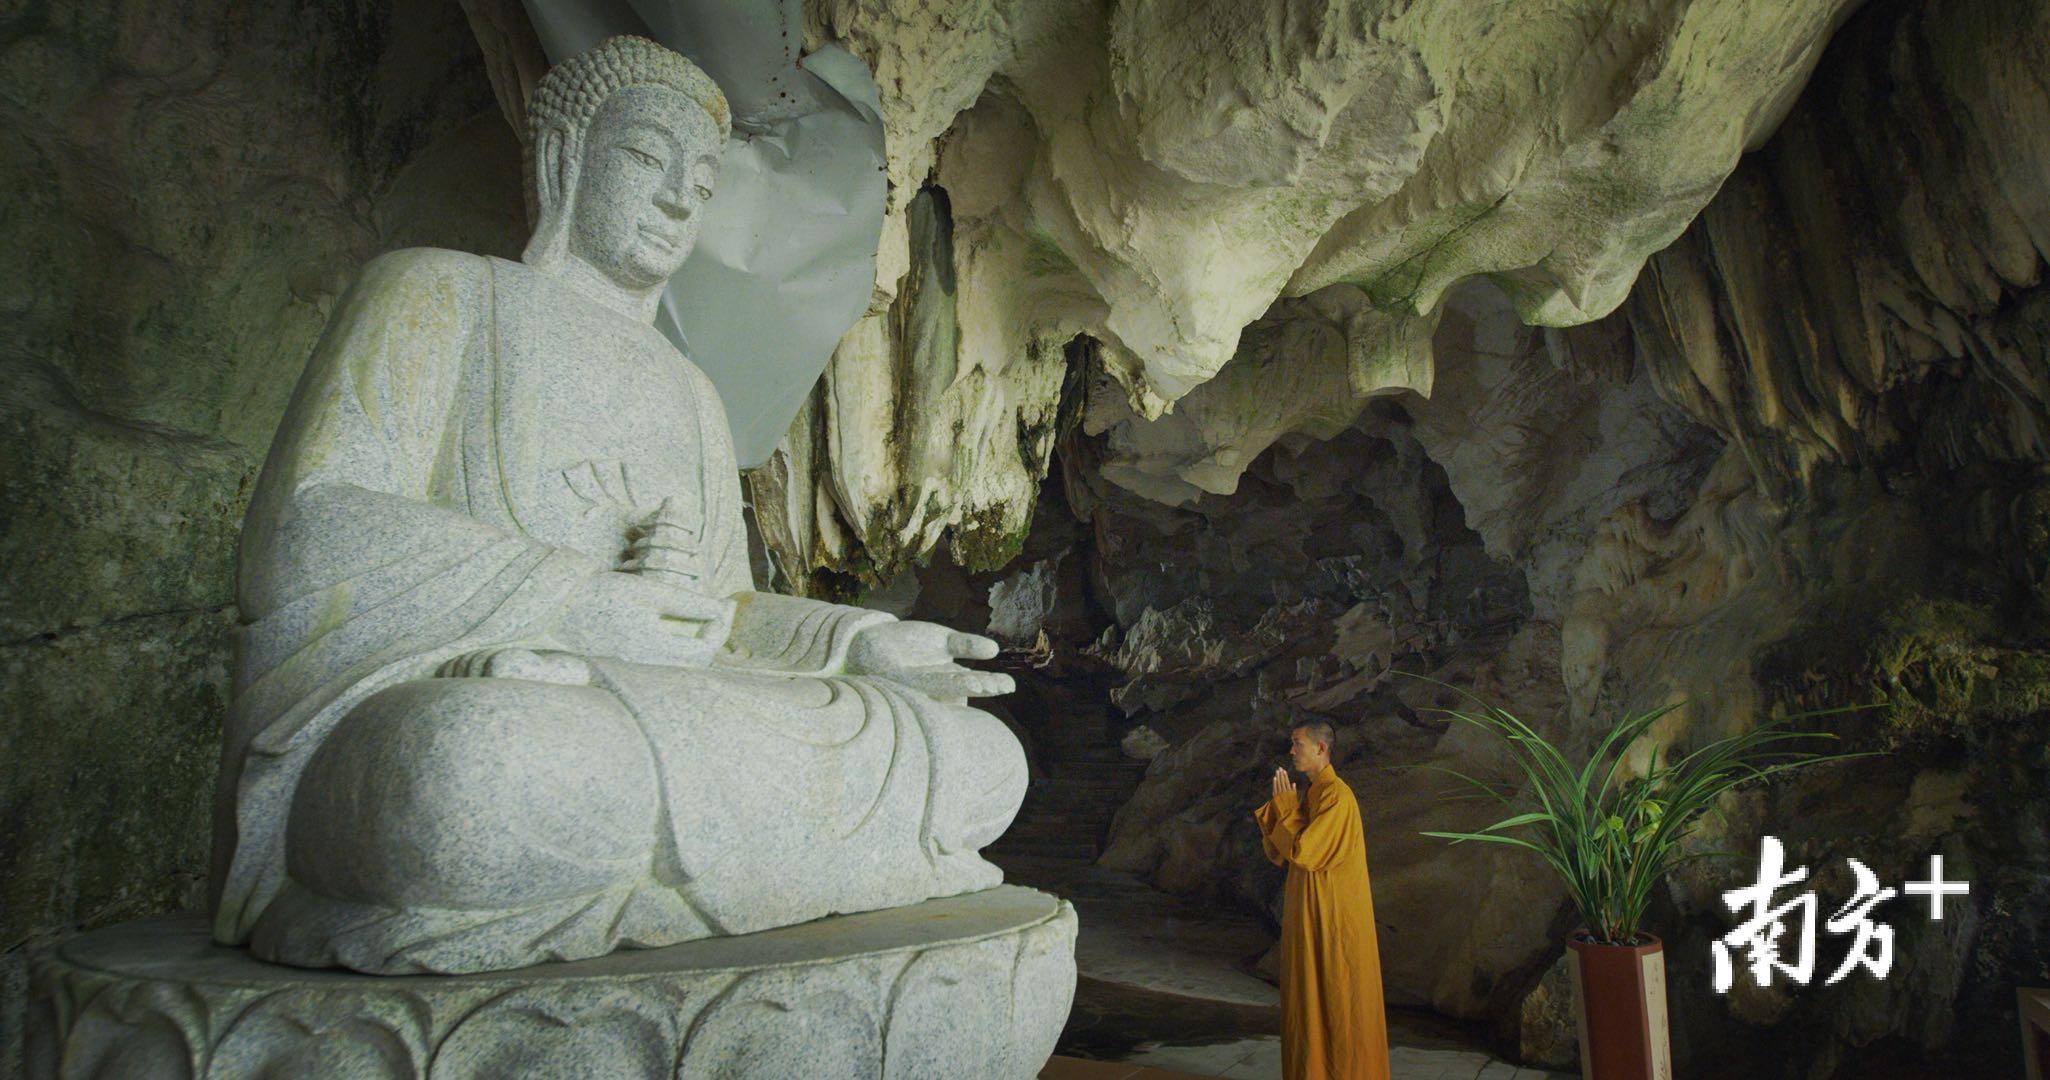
(468, 448)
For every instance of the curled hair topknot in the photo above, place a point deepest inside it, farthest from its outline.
(570, 94)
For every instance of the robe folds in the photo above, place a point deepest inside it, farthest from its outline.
(465, 455)
(1333, 1025)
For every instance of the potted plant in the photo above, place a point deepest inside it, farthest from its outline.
(1611, 844)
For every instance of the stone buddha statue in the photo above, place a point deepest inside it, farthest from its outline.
(506, 692)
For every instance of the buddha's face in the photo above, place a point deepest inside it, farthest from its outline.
(649, 159)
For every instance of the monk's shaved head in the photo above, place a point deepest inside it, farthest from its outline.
(1320, 732)
(1311, 746)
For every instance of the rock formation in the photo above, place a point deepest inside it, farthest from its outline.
(1799, 467)
(1115, 172)
(190, 189)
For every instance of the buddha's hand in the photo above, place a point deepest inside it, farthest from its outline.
(640, 620)
(664, 546)
(922, 655)
(534, 665)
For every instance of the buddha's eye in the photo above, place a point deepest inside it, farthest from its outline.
(643, 157)
(704, 193)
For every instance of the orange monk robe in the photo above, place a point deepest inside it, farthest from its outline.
(1332, 1022)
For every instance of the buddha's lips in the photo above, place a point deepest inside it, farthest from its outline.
(667, 241)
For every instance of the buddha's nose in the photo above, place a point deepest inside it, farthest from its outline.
(672, 201)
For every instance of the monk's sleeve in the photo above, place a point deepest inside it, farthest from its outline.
(1314, 844)
(1280, 817)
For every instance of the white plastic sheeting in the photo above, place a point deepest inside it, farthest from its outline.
(785, 261)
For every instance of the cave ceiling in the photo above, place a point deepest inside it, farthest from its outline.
(1146, 189)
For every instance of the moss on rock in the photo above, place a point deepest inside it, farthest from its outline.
(1939, 669)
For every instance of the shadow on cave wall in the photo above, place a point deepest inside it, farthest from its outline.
(189, 188)
(1802, 467)
(1193, 636)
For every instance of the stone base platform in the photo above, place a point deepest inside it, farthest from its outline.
(967, 986)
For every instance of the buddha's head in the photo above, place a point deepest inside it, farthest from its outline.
(625, 145)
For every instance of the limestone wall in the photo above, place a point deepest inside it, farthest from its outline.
(189, 187)
(1801, 466)
(1157, 173)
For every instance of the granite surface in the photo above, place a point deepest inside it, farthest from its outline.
(506, 691)
(975, 985)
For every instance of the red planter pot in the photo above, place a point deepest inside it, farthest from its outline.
(1621, 991)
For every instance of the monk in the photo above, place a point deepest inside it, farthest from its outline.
(1332, 1022)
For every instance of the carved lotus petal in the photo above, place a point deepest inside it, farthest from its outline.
(294, 1034)
(774, 1027)
(607, 1031)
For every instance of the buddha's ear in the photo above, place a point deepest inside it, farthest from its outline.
(554, 171)
(555, 176)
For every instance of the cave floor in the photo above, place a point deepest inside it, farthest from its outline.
(1166, 989)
